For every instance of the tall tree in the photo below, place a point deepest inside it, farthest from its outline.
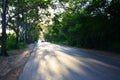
(27, 6)
(4, 24)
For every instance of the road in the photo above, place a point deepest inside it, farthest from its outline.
(54, 62)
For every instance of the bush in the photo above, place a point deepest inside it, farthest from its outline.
(10, 41)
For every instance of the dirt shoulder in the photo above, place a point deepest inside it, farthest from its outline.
(11, 67)
(112, 55)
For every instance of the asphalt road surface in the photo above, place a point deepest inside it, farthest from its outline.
(54, 62)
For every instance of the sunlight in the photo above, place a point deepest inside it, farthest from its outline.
(52, 62)
(70, 62)
(56, 64)
(7, 31)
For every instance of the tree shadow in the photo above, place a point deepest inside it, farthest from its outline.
(53, 62)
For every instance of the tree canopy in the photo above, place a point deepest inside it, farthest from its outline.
(83, 23)
(90, 24)
(21, 16)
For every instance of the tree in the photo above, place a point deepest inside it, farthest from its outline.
(4, 24)
(87, 24)
(28, 6)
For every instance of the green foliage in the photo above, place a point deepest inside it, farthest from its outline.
(22, 45)
(33, 34)
(95, 26)
(16, 13)
(11, 42)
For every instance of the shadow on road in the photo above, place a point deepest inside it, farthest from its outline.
(54, 62)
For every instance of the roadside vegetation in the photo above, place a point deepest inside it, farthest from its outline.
(21, 16)
(11, 41)
(92, 24)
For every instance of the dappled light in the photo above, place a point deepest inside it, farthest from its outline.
(81, 28)
(56, 64)
(53, 62)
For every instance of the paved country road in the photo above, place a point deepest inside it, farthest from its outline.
(54, 62)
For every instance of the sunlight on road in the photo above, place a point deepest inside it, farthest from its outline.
(55, 65)
(53, 62)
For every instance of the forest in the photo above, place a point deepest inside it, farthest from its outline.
(92, 24)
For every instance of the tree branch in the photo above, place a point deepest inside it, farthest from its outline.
(22, 11)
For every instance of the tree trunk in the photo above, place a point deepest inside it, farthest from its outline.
(17, 32)
(17, 40)
(4, 35)
(17, 27)
(24, 33)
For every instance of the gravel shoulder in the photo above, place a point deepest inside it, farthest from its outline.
(11, 67)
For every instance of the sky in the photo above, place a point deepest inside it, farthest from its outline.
(7, 31)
